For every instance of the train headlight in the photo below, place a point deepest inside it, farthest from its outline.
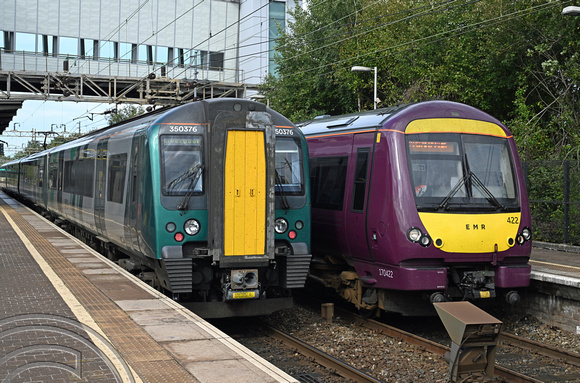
(280, 225)
(414, 234)
(425, 241)
(170, 227)
(527, 233)
(191, 226)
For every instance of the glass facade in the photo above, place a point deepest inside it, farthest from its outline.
(277, 19)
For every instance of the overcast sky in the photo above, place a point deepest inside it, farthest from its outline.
(40, 115)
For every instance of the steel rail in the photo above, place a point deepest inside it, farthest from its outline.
(321, 357)
(426, 344)
(540, 348)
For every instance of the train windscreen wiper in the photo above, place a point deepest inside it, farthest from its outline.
(193, 174)
(184, 176)
(470, 176)
(490, 197)
(445, 203)
(284, 199)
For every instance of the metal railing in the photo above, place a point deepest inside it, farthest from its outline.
(112, 67)
(554, 193)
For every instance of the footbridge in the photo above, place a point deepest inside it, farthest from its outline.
(37, 76)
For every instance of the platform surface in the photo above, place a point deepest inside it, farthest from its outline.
(556, 263)
(67, 314)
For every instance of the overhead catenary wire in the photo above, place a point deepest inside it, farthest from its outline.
(365, 29)
(436, 37)
(418, 13)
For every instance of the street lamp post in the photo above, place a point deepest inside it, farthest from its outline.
(367, 69)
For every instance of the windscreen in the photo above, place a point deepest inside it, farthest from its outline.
(289, 177)
(456, 171)
(181, 163)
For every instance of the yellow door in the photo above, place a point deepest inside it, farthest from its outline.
(245, 194)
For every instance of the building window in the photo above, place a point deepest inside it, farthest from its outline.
(162, 54)
(68, 46)
(191, 57)
(128, 52)
(48, 45)
(146, 53)
(212, 60)
(25, 42)
(277, 20)
(89, 49)
(109, 50)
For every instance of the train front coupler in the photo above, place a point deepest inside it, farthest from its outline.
(478, 284)
(239, 284)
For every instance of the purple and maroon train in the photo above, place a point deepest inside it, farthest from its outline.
(416, 204)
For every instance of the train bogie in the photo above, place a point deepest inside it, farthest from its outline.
(423, 200)
(208, 201)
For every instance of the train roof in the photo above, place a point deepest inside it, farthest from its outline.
(379, 117)
(144, 119)
(368, 119)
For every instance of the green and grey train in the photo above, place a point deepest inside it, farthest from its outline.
(208, 201)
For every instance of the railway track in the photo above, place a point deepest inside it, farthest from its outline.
(526, 348)
(394, 354)
(320, 357)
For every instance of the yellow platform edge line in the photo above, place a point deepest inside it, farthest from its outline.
(72, 302)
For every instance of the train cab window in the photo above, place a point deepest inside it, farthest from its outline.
(328, 176)
(116, 180)
(489, 159)
(288, 167)
(181, 164)
(360, 179)
(454, 171)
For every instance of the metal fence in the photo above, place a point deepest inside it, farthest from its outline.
(554, 193)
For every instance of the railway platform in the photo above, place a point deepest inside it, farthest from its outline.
(554, 292)
(556, 262)
(70, 315)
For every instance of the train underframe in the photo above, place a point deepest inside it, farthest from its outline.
(474, 283)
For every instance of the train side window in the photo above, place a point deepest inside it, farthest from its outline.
(116, 181)
(69, 181)
(328, 175)
(360, 179)
(52, 174)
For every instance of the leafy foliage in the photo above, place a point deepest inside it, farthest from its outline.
(125, 113)
(517, 60)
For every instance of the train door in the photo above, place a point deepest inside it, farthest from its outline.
(241, 208)
(100, 185)
(360, 236)
(245, 193)
(59, 180)
(132, 198)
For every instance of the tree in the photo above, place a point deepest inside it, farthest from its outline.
(125, 113)
(31, 148)
(517, 60)
(307, 82)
